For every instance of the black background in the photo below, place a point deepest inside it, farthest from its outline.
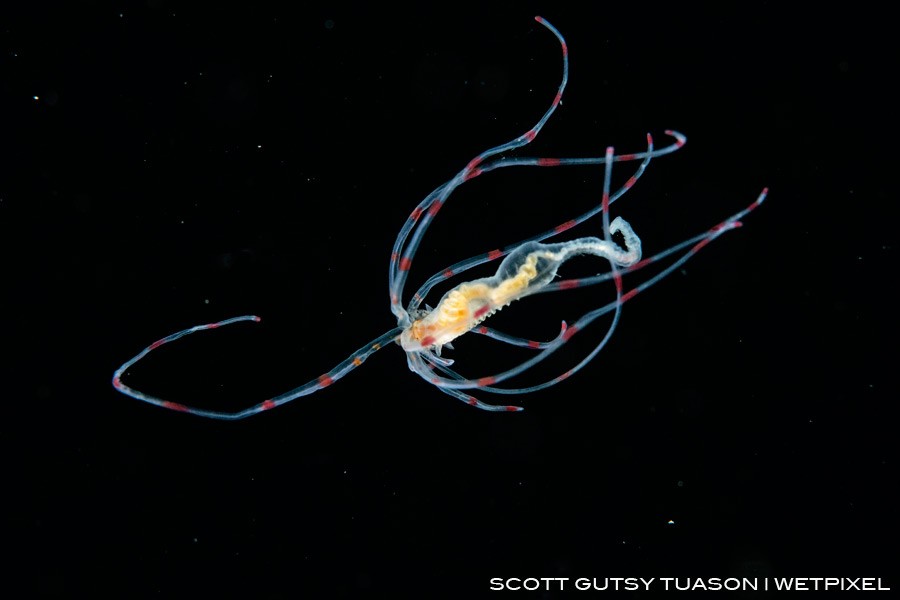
(166, 165)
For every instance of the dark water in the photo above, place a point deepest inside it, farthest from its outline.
(166, 166)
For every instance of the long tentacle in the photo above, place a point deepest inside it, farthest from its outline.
(405, 247)
(492, 255)
(324, 380)
(488, 383)
(513, 340)
(422, 364)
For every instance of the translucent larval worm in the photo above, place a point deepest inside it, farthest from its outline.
(529, 267)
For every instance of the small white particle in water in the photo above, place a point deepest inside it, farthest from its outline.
(670, 522)
(206, 301)
(36, 97)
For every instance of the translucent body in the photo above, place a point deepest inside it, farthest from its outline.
(525, 271)
(530, 267)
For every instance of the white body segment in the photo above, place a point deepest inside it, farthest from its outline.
(525, 271)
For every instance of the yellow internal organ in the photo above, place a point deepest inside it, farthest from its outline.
(512, 288)
(454, 314)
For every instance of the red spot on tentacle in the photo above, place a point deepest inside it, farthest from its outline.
(448, 273)
(213, 326)
(483, 330)
(472, 174)
(629, 295)
(394, 256)
(638, 265)
(548, 162)
(484, 381)
(494, 254)
(472, 401)
(405, 263)
(257, 319)
(482, 310)
(557, 98)
(701, 244)
(428, 341)
(530, 135)
(267, 405)
(565, 49)
(117, 383)
(569, 284)
(564, 376)
(512, 408)
(474, 163)
(435, 207)
(416, 214)
(570, 332)
(325, 381)
(533, 344)
(631, 181)
(175, 406)
(156, 344)
(565, 226)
